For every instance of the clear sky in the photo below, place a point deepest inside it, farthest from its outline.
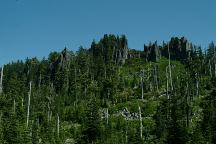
(31, 28)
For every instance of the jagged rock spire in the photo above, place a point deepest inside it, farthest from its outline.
(111, 48)
(152, 52)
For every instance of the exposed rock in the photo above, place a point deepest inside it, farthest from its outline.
(179, 49)
(111, 49)
(152, 52)
(127, 114)
(64, 57)
(62, 60)
(69, 141)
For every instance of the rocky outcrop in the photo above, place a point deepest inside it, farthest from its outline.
(122, 55)
(64, 57)
(179, 49)
(125, 113)
(110, 49)
(152, 52)
(62, 60)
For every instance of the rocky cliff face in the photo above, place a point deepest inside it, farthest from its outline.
(111, 48)
(152, 52)
(122, 54)
(61, 61)
(179, 49)
(114, 49)
(64, 57)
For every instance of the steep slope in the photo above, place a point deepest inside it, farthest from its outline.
(110, 93)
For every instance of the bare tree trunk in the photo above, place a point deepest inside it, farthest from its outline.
(210, 69)
(197, 85)
(187, 101)
(156, 79)
(141, 80)
(0, 117)
(113, 53)
(29, 98)
(116, 57)
(126, 136)
(149, 77)
(75, 80)
(215, 69)
(167, 83)
(48, 114)
(170, 72)
(107, 116)
(108, 94)
(2, 73)
(58, 123)
(39, 85)
(14, 106)
(85, 91)
(67, 79)
(141, 126)
(105, 73)
(215, 60)
(22, 102)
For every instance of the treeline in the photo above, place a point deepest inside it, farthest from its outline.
(109, 93)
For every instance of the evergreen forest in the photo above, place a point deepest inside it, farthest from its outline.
(110, 93)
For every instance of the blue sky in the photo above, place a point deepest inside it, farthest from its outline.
(31, 28)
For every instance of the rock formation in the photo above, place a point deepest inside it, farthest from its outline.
(111, 49)
(152, 52)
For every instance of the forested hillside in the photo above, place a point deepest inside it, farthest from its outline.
(112, 94)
